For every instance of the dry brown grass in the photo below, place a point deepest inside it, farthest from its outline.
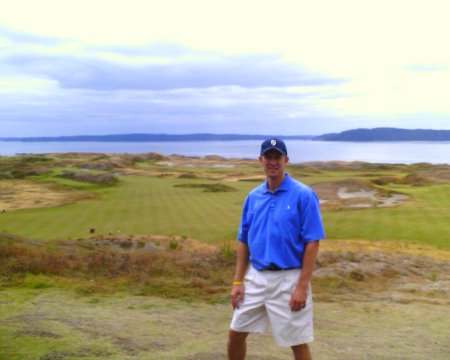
(24, 194)
(166, 266)
(181, 268)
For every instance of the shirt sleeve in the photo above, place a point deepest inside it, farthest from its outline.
(311, 220)
(245, 223)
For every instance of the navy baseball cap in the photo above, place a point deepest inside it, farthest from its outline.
(275, 144)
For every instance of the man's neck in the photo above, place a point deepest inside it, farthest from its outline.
(274, 183)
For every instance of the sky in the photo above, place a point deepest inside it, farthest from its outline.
(282, 67)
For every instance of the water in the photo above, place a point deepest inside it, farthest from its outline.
(299, 150)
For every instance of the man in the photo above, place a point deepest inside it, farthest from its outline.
(278, 243)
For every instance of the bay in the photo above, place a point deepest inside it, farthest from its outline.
(299, 150)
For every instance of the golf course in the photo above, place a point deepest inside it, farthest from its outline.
(131, 256)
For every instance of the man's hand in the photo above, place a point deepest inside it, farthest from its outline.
(237, 295)
(298, 298)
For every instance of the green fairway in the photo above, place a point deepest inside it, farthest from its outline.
(139, 205)
(165, 201)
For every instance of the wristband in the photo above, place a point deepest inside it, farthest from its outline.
(237, 282)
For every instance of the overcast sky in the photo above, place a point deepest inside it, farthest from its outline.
(249, 67)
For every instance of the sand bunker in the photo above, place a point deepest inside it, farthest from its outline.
(351, 193)
(373, 195)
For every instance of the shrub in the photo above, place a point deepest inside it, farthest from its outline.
(187, 176)
(154, 156)
(34, 159)
(106, 179)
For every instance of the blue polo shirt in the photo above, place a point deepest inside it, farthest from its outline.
(276, 226)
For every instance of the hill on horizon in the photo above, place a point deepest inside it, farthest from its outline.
(387, 134)
(362, 134)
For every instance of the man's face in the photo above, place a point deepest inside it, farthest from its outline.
(273, 163)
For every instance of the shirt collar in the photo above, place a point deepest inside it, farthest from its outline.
(284, 186)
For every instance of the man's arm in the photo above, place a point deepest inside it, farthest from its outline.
(237, 292)
(298, 298)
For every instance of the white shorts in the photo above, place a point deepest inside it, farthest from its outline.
(266, 303)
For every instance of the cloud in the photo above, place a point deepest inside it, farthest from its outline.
(160, 72)
(159, 49)
(68, 87)
(159, 66)
(427, 68)
(71, 88)
(24, 38)
(226, 109)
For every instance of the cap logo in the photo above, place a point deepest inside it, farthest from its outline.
(273, 142)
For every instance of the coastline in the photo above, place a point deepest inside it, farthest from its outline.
(299, 150)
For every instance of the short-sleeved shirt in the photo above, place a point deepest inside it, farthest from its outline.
(275, 226)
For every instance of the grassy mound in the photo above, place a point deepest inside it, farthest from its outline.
(105, 179)
(147, 265)
(20, 167)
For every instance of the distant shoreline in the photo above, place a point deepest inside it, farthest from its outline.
(298, 150)
(356, 135)
(154, 138)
